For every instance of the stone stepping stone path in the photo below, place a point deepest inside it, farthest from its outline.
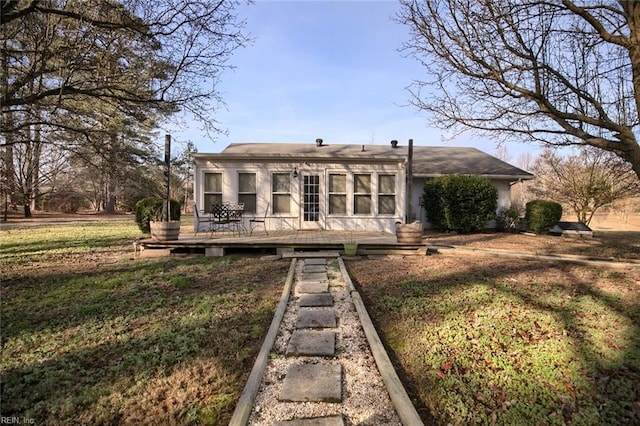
(320, 368)
(315, 318)
(312, 343)
(322, 299)
(317, 421)
(313, 382)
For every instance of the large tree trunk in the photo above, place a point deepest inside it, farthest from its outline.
(35, 168)
(7, 180)
(110, 184)
(632, 9)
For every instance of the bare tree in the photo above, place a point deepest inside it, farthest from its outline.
(586, 181)
(502, 152)
(133, 54)
(553, 72)
(90, 73)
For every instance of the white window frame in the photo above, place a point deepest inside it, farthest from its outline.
(275, 193)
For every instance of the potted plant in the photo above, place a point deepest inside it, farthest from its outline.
(167, 228)
(351, 246)
(149, 218)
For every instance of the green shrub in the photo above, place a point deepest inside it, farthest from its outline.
(150, 209)
(542, 215)
(462, 203)
(507, 219)
(431, 201)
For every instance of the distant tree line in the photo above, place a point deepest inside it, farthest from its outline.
(84, 85)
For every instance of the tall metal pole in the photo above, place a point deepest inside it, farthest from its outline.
(166, 209)
(409, 214)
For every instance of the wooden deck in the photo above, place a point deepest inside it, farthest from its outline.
(284, 241)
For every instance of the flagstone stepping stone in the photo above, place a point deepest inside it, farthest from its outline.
(316, 318)
(312, 343)
(312, 382)
(320, 299)
(312, 287)
(319, 261)
(316, 421)
(315, 276)
(314, 269)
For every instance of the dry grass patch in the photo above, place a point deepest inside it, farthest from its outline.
(494, 340)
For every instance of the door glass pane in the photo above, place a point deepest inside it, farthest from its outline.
(311, 205)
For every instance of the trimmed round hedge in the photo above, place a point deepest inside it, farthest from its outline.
(542, 215)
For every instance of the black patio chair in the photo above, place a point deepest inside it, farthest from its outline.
(219, 217)
(259, 221)
(202, 217)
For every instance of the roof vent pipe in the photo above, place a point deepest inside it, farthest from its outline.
(394, 143)
(318, 142)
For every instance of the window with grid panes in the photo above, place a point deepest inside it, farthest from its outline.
(212, 190)
(281, 192)
(362, 194)
(247, 191)
(337, 194)
(386, 194)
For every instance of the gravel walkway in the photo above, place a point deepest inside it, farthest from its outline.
(365, 400)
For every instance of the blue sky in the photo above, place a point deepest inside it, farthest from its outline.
(324, 69)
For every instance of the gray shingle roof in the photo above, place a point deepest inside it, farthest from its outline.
(427, 160)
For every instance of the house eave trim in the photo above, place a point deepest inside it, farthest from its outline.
(496, 177)
(217, 158)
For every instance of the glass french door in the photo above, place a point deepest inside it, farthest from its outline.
(311, 218)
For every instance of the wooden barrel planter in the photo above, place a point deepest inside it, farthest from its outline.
(409, 233)
(165, 231)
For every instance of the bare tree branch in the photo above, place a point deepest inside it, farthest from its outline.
(558, 73)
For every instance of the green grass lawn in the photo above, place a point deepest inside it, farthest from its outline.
(90, 335)
(486, 340)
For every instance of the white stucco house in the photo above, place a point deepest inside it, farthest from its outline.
(307, 186)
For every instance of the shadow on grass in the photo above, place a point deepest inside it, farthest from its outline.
(30, 248)
(176, 346)
(510, 341)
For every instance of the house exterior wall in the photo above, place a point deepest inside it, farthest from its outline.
(295, 218)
